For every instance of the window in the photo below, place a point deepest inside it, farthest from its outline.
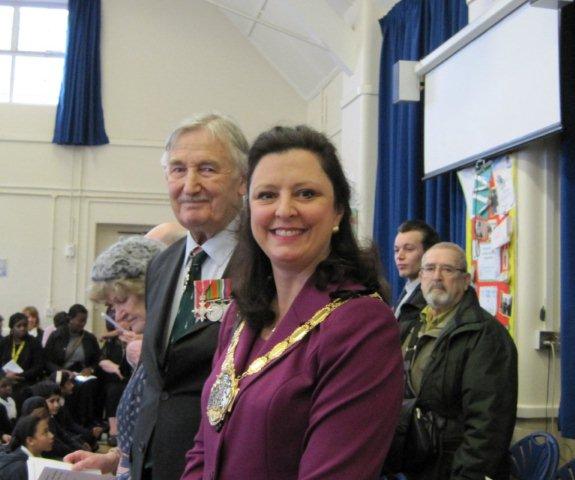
(32, 47)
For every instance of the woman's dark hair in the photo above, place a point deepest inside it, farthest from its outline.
(32, 403)
(46, 389)
(254, 287)
(15, 318)
(25, 427)
(61, 318)
(76, 309)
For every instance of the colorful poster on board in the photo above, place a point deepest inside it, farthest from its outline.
(490, 196)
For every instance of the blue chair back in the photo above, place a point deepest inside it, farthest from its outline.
(535, 457)
(566, 472)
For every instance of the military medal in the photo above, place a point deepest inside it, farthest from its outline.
(216, 311)
(211, 299)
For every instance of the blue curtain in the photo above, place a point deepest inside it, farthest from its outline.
(411, 30)
(79, 118)
(567, 173)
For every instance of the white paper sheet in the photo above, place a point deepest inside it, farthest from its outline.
(13, 367)
(467, 180)
(501, 234)
(46, 469)
(488, 299)
(488, 263)
(502, 174)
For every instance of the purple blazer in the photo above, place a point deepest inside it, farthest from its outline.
(325, 410)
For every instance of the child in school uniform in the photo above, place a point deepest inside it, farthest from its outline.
(8, 413)
(64, 417)
(64, 442)
(30, 438)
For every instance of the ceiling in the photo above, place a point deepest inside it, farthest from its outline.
(288, 33)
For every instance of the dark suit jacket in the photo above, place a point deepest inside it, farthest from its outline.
(410, 311)
(170, 408)
(13, 465)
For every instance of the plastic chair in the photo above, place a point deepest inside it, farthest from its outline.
(535, 457)
(566, 472)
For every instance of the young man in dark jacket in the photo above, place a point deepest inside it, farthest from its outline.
(464, 370)
(413, 239)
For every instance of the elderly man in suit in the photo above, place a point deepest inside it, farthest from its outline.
(204, 164)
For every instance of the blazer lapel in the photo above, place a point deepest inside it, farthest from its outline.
(167, 273)
(197, 327)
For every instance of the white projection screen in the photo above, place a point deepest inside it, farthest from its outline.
(499, 91)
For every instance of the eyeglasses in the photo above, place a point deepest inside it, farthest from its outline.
(446, 270)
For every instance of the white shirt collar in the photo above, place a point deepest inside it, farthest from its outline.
(218, 247)
(26, 451)
(411, 285)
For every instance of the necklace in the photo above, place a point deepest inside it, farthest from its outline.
(17, 351)
(226, 387)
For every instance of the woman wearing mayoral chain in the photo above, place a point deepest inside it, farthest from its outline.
(307, 379)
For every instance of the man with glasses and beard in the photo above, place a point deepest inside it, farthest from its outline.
(463, 368)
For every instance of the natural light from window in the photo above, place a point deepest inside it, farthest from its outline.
(32, 46)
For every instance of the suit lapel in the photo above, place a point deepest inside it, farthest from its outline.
(197, 327)
(167, 277)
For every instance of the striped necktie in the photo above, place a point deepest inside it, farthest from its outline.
(185, 318)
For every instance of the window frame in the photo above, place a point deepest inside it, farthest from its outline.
(14, 53)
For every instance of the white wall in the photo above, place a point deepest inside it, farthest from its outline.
(324, 111)
(537, 273)
(161, 61)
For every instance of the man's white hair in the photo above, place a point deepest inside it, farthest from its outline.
(461, 258)
(223, 129)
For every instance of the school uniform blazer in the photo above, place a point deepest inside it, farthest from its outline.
(170, 408)
(31, 357)
(326, 409)
(55, 350)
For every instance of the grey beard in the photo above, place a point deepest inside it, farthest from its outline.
(436, 298)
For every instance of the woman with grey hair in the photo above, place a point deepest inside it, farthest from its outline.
(118, 277)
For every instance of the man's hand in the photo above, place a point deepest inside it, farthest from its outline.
(14, 376)
(110, 367)
(82, 460)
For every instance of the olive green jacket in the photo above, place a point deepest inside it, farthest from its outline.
(471, 379)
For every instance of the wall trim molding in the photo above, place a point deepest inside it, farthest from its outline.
(537, 411)
(112, 195)
(363, 90)
(114, 142)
